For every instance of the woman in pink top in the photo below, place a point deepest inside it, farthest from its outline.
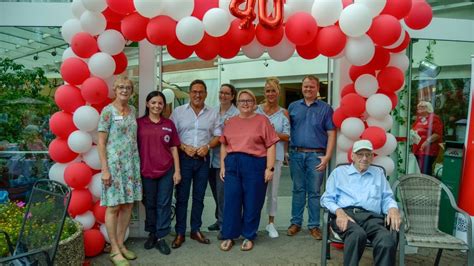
(247, 164)
(157, 144)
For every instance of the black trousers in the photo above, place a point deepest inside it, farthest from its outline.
(368, 226)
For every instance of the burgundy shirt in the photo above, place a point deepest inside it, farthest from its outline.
(154, 143)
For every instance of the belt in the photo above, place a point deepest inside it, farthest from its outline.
(302, 149)
(355, 209)
(195, 157)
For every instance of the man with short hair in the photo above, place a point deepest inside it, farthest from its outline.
(199, 130)
(312, 141)
(358, 195)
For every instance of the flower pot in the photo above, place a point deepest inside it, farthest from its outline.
(71, 250)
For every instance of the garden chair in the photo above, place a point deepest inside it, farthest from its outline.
(420, 200)
(42, 225)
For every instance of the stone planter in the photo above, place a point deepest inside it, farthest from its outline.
(71, 250)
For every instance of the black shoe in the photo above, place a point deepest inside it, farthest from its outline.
(163, 247)
(219, 236)
(214, 227)
(150, 242)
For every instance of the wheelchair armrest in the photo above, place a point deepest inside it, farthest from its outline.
(9, 242)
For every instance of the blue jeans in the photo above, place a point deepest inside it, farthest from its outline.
(197, 172)
(306, 183)
(157, 198)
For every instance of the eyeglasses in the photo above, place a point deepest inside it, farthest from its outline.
(123, 88)
(225, 93)
(364, 154)
(198, 92)
(422, 106)
(249, 101)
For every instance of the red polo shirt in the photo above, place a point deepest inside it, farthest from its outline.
(154, 143)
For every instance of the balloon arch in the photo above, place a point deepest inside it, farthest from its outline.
(368, 33)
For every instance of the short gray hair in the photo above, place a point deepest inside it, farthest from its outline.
(429, 106)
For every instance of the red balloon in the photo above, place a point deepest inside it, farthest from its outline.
(385, 30)
(123, 7)
(267, 37)
(134, 27)
(376, 135)
(94, 242)
(68, 98)
(308, 51)
(390, 79)
(113, 26)
(420, 15)
(121, 63)
(61, 124)
(353, 105)
(301, 28)
(331, 40)
(99, 212)
(345, 3)
(357, 71)
(349, 155)
(228, 49)
(99, 107)
(338, 117)
(77, 175)
(207, 48)
(60, 152)
(161, 30)
(394, 98)
(238, 35)
(403, 45)
(179, 50)
(380, 59)
(112, 16)
(349, 88)
(81, 201)
(397, 8)
(74, 71)
(94, 90)
(84, 45)
(202, 6)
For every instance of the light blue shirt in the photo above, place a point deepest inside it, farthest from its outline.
(216, 151)
(370, 190)
(281, 124)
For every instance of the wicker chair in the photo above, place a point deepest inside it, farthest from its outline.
(41, 227)
(420, 200)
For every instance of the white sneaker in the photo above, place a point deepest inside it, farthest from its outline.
(272, 232)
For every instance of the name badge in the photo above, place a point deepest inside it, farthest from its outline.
(118, 118)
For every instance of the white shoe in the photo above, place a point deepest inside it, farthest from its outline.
(272, 232)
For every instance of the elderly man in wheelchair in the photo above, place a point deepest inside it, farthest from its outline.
(358, 197)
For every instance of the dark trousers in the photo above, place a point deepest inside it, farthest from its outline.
(426, 163)
(157, 198)
(217, 188)
(244, 196)
(368, 226)
(195, 171)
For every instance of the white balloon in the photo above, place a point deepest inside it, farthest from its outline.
(216, 22)
(79, 141)
(95, 5)
(344, 143)
(299, 5)
(253, 50)
(70, 28)
(93, 22)
(400, 61)
(178, 9)
(169, 95)
(366, 85)
(386, 162)
(341, 157)
(68, 53)
(103, 230)
(378, 106)
(355, 20)
(326, 12)
(359, 50)
(56, 172)
(352, 128)
(102, 65)
(87, 220)
(111, 42)
(287, 12)
(397, 42)
(282, 51)
(86, 118)
(149, 8)
(77, 8)
(91, 158)
(190, 30)
(95, 186)
(389, 146)
(375, 6)
(385, 123)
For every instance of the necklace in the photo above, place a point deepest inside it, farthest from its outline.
(121, 109)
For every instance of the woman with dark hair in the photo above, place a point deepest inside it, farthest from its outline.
(159, 161)
(226, 110)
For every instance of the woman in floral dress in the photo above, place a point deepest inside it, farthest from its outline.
(120, 161)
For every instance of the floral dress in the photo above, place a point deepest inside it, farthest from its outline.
(122, 157)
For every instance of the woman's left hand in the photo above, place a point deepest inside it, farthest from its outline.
(176, 178)
(268, 175)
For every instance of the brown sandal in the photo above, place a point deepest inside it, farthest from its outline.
(247, 245)
(227, 244)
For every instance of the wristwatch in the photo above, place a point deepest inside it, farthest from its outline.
(271, 169)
